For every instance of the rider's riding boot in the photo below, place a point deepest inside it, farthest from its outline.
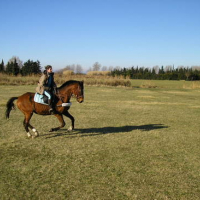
(51, 110)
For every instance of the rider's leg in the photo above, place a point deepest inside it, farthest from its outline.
(48, 94)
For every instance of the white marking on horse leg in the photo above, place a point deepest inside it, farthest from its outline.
(35, 132)
(70, 128)
(29, 135)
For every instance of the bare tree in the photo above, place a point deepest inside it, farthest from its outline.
(117, 68)
(68, 67)
(104, 68)
(110, 68)
(89, 70)
(73, 67)
(96, 66)
(187, 74)
(79, 69)
(168, 68)
(196, 68)
(156, 68)
(18, 61)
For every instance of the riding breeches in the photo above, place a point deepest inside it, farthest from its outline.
(48, 94)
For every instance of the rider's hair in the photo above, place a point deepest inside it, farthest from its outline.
(48, 66)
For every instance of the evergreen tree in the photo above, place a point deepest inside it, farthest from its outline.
(161, 71)
(12, 68)
(31, 67)
(170, 73)
(16, 68)
(9, 68)
(2, 68)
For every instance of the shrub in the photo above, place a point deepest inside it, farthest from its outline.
(99, 73)
(68, 72)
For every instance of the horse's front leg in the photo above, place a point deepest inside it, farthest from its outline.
(61, 120)
(67, 114)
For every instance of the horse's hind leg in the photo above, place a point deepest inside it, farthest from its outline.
(36, 134)
(27, 125)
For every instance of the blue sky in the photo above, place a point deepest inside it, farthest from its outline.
(121, 33)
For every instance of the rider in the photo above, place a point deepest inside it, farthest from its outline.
(46, 85)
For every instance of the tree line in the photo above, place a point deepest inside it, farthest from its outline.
(16, 67)
(169, 73)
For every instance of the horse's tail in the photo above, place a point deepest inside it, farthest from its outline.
(9, 106)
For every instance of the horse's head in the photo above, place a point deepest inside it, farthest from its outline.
(72, 88)
(78, 91)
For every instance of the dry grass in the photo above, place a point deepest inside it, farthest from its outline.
(98, 73)
(165, 84)
(148, 84)
(192, 85)
(101, 80)
(67, 73)
(18, 80)
(62, 78)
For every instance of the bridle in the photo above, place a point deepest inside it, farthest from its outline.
(78, 90)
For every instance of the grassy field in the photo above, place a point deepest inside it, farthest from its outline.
(129, 143)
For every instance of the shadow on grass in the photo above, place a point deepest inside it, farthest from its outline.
(105, 130)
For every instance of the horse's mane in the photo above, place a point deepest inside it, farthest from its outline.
(68, 83)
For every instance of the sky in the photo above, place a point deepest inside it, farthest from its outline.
(114, 33)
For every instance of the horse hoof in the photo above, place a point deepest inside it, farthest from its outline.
(51, 130)
(35, 132)
(70, 129)
(37, 135)
(34, 136)
(29, 135)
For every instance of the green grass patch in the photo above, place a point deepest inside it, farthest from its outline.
(129, 143)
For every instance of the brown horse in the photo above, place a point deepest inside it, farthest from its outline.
(26, 104)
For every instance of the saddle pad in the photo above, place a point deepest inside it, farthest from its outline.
(38, 98)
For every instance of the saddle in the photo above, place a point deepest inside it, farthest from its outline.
(40, 98)
(43, 99)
